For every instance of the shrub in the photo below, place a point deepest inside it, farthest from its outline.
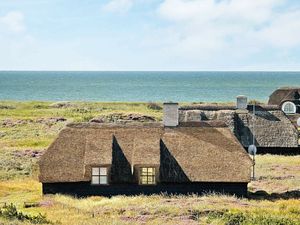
(256, 102)
(40, 106)
(235, 218)
(154, 106)
(10, 212)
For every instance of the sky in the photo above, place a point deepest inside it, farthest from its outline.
(155, 35)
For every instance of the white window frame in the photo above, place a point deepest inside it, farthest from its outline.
(290, 105)
(99, 175)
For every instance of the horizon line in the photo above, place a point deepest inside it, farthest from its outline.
(149, 70)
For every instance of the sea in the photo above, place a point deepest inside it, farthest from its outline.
(140, 86)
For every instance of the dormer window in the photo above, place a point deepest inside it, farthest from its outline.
(289, 108)
(99, 175)
(147, 176)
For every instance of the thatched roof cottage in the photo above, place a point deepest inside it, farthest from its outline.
(274, 127)
(146, 158)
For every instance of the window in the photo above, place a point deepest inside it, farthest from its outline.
(147, 175)
(99, 175)
(289, 108)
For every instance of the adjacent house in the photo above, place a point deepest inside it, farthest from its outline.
(132, 158)
(272, 128)
(288, 98)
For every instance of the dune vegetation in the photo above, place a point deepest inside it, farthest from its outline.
(27, 128)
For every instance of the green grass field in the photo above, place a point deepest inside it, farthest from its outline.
(27, 128)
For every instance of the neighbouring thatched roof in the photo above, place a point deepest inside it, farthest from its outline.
(208, 107)
(272, 127)
(210, 153)
(283, 94)
(216, 107)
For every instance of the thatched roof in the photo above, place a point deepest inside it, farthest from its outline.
(272, 127)
(209, 107)
(283, 94)
(223, 107)
(210, 153)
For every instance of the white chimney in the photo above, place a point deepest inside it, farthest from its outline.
(241, 102)
(170, 114)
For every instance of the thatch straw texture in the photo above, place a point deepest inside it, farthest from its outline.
(283, 94)
(200, 153)
(208, 154)
(272, 127)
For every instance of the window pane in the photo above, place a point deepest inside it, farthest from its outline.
(144, 180)
(103, 171)
(287, 108)
(95, 180)
(153, 180)
(151, 171)
(95, 171)
(103, 179)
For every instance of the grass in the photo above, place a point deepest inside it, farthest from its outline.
(277, 174)
(156, 209)
(29, 127)
(29, 123)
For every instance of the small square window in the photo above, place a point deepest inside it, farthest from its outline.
(147, 176)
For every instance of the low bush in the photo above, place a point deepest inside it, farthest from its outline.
(154, 106)
(10, 212)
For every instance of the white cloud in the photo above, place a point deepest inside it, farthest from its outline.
(284, 31)
(13, 21)
(119, 6)
(228, 31)
(251, 11)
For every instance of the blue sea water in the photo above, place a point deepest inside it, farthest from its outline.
(142, 86)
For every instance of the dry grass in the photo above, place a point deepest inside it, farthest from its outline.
(156, 209)
(277, 174)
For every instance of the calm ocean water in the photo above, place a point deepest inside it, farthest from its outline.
(142, 86)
